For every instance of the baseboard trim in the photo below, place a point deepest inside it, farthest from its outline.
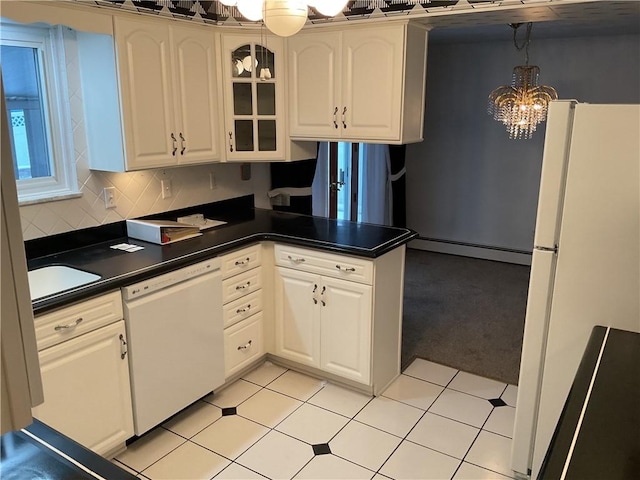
(485, 253)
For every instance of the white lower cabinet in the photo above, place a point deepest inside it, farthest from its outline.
(86, 389)
(324, 322)
(243, 343)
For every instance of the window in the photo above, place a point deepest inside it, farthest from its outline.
(36, 94)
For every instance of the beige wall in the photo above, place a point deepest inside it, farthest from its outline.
(137, 193)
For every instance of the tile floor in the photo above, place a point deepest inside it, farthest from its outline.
(433, 422)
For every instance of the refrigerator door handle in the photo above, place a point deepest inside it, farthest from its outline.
(553, 249)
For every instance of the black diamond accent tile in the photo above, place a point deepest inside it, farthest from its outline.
(321, 449)
(229, 411)
(497, 402)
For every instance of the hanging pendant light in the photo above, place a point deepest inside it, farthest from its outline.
(285, 17)
(329, 8)
(523, 105)
(229, 3)
(251, 9)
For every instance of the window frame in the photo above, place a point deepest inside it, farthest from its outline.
(49, 41)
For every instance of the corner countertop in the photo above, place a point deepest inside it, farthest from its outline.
(245, 226)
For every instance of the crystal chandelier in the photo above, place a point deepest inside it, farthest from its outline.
(523, 105)
(284, 17)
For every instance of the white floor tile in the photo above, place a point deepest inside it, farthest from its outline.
(501, 421)
(238, 472)
(264, 374)
(379, 476)
(277, 456)
(296, 385)
(391, 416)
(187, 462)
(510, 395)
(478, 386)
(340, 400)
(462, 407)
(124, 467)
(193, 419)
(312, 424)
(233, 395)
(444, 435)
(363, 445)
(431, 372)
(326, 467)
(413, 391)
(471, 472)
(492, 452)
(268, 408)
(149, 449)
(230, 436)
(414, 461)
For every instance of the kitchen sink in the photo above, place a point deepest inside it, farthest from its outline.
(57, 278)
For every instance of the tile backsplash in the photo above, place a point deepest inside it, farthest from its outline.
(136, 193)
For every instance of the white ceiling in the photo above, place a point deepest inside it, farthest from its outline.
(607, 17)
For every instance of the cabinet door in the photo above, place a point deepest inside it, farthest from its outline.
(196, 94)
(346, 329)
(86, 389)
(254, 98)
(314, 85)
(146, 93)
(372, 72)
(297, 317)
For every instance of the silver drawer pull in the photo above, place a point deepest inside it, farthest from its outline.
(69, 326)
(244, 309)
(295, 260)
(242, 287)
(246, 346)
(242, 262)
(345, 269)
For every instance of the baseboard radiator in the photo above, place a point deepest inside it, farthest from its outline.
(467, 249)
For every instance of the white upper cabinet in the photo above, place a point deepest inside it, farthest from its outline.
(358, 84)
(255, 102)
(168, 96)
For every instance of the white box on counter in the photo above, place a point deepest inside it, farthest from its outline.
(161, 232)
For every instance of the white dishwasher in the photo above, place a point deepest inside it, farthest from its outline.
(176, 343)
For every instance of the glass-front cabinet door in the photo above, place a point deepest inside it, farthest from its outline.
(254, 100)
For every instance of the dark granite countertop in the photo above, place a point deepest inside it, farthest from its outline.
(598, 434)
(90, 250)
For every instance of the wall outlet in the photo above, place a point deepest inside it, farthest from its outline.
(165, 186)
(212, 181)
(109, 197)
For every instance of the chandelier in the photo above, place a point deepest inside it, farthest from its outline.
(522, 105)
(284, 17)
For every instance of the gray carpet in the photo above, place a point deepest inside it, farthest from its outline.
(464, 312)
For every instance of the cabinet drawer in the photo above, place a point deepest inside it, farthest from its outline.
(328, 264)
(240, 260)
(69, 322)
(242, 308)
(239, 285)
(243, 343)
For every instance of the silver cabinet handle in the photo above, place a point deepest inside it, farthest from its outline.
(242, 287)
(244, 309)
(182, 140)
(175, 144)
(246, 346)
(324, 289)
(123, 347)
(345, 269)
(242, 262)
(68, 326)
(335, 117)
(344, 123)
(230, 141)
(296, 259)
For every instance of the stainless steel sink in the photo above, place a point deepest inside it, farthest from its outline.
(57, 278)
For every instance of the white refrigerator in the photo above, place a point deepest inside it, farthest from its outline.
(586, 259)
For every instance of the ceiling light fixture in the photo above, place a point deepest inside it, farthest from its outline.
(522, 105)
(284, 17)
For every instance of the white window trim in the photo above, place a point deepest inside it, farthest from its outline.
(55, 92)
